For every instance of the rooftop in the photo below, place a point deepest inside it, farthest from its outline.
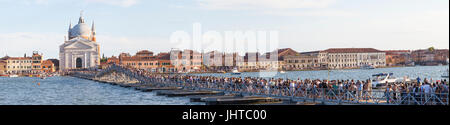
(352, 50)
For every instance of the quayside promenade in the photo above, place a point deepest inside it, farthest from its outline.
(238, 90)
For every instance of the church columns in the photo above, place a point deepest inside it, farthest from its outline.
(85, 65)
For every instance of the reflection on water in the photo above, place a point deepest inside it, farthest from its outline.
(74, 91)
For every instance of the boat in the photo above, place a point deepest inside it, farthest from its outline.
(13, 76)
(379, 80)
(367, 67)
(236, 72)
(282, 72)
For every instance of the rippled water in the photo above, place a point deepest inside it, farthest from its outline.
(74, 91)
(434, 72)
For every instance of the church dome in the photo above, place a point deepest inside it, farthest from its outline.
(81, 30)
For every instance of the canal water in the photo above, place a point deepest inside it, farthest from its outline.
(74, 91)
(429, 72)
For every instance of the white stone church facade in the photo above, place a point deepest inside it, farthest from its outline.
(81, 49)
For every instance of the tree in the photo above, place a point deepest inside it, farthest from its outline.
(431, 49)
(104, 59)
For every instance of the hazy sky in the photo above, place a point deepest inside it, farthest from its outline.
(304, 25)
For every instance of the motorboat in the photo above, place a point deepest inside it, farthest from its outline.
(382, 79)
(445, 75)
(367, 67)
(235, 72)
(282, 72)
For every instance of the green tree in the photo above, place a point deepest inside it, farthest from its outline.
(431, 49)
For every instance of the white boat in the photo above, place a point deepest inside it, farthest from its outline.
(235, 72)
(13, 76)
(380, 80)
(367, 67)
(282, 72)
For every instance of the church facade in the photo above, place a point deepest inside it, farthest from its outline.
(80, 49)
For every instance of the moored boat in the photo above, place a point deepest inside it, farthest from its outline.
(382, 79)
(367, 67)
(236, 72)
(13, 76)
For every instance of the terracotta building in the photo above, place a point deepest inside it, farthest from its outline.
(48, 66)
(398, 57)
(146, 60)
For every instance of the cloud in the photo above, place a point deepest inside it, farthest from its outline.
(114, 45)
(16, 44)
(261, 4)
(316, 13)
(122, 3)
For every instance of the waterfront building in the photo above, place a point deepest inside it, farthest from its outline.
(37, 62)
(398, 57)
(430, 56)
(164, 63)
(81, 49)
(186, 60)
(249, 62)
(345, 58)
(142, 60)
(48, 66)
(146, 60)
(302, 61)
(19, 65)
(213, 60)
(113, 60)
(2, 67)
(275, 63)
(221, 61)
(55, 63)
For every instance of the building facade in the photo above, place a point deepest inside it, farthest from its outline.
(147, 61)
(81, 49)
(301, 62)
(186, 60)
(48, 66)
(37, 62)
(430, 56)
(398, 57)
(2, 67)
(19, 65)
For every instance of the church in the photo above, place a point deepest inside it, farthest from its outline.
(80, 48)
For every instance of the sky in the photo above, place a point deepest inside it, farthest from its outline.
(304, 25)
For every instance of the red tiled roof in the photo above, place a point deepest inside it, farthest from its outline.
(135, 58)
(18, 58)
(144, 52)
(47, 62)
(352, 50)
(163, 56)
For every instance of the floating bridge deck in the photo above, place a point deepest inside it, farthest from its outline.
(225, 95)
